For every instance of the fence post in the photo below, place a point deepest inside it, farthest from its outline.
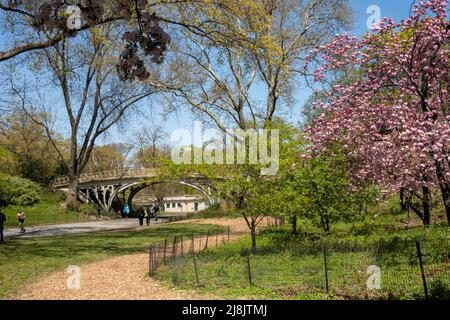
(207, 237)
(424, 279)
(165, 250)
(192, 249)
(150, 261)
(155, 261)
(174, 248)
(195, 268)
(228, 231)
(181, 245)
(325, 260)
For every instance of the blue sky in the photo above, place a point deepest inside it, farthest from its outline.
(397, 9)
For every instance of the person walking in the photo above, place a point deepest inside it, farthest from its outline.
(140, 215)
(147, 216)
(151, 210)
(21, 219)
(155, 211)
(2, 223)
(126, 211)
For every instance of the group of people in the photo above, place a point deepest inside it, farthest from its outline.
(20, 218)
(147, 213)
(142, 213)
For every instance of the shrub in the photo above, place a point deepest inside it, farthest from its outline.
(18, 191)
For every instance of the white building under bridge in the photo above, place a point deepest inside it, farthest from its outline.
(185, 204)
(179, 204)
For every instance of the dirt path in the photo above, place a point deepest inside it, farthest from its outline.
(120, 277)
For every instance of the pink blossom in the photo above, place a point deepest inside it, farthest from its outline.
(395, 134)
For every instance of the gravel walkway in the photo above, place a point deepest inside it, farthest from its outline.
(120, 277)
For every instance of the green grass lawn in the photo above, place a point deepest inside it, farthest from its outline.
(287, 268)
(26, 258)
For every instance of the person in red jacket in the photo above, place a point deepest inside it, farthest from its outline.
(21, 219)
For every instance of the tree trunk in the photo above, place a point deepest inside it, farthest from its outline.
(426, 202)
(271, 104)
(445, 189)
(322, 221)
(403, 200)
(444, 184)
(253, 234)
(72, 193)
(425, 216)
(325, 223)
(294, 224)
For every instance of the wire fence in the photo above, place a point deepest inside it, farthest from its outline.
(395, 269)
(172, 249)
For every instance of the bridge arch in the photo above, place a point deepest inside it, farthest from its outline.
(102, 188)
(139, 186)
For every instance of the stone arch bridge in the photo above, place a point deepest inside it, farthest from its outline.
(103, 188)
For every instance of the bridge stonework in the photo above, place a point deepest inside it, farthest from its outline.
(102, 188)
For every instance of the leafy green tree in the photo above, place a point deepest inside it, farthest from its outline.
(27, 149)
(18, 191)
(314, 187)
(108, 157)
(245, 187)
(7, 162)
(324, 183)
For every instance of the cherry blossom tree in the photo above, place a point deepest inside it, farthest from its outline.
(393, 120)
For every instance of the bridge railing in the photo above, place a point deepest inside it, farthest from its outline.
(106, 175)
(115, 174)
